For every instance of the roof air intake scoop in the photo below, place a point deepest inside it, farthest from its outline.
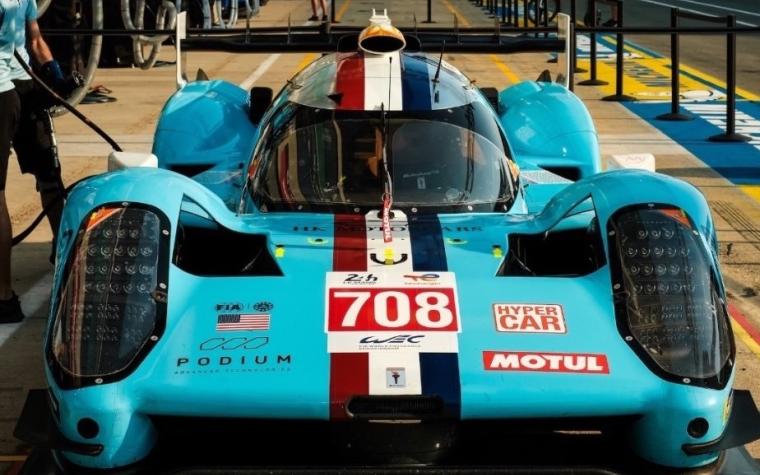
(380, 37)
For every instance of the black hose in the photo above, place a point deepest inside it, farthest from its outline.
(26, 232)
(66, 105)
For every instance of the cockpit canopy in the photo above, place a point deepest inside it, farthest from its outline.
(316, 159)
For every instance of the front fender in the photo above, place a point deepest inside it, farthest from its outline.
(204, 124)
(550, 127)
(159, 188)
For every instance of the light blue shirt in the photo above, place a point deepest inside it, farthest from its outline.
(26, 13)
(7, 42)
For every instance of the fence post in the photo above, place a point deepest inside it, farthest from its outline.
(429, 12)
(573, 13)
(503, 12)
(675, 74)
(516, 5)
(332, 11)
(619, 96)
(592, 80)
(730, 135)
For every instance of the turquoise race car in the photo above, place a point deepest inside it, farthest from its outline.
(385, 266)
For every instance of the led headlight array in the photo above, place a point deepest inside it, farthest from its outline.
(111, 302)
(666, 296)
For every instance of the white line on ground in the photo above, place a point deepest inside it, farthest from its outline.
(721, 7)
(263, 67)
(669, 5)
(31, 302)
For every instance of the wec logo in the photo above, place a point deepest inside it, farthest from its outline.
(392, 340)
(545, 362)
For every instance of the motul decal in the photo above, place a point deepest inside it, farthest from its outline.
(545, 362)
(529, 318)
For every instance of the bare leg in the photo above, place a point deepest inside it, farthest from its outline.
(324, 8)
(50, 195)
(5, 249)
(314, 7)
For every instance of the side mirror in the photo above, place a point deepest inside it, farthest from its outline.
(492, 94)
(258, 103)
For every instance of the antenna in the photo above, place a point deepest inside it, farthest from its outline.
(440, 61)
(388, 188)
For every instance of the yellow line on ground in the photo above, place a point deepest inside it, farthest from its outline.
(511, 76)
(686, 68)
(745, 337)
(456, 13)
(12, 458)
(633, 49)
(342, 10)
(305, 61)
(751, 190)
(718, 82)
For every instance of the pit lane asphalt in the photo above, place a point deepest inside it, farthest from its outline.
(141, 94)
(706, 53)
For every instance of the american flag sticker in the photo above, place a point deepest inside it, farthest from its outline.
(240, 322)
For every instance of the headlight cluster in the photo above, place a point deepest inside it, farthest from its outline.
(666, 298)
(111, 303)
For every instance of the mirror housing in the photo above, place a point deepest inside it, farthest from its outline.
(258, 102)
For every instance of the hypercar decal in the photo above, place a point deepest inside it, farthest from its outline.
(415, 84)
(349, 83)
(529, 318)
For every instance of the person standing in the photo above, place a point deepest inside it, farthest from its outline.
(315, 4)
(10, 311)
(26, 122)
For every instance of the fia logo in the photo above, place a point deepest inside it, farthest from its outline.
(395, 377)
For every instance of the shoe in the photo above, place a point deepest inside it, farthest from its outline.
(314, 18)
(324, 17)
(609, 23)
(10, 310)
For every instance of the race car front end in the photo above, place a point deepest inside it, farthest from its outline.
(169, 308)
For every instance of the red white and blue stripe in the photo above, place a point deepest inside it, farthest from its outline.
(394, 81)
(417, 246)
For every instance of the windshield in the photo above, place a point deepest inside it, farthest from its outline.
(320, 159)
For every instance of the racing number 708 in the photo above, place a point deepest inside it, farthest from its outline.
(383, 309)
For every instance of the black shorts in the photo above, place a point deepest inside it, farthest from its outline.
(10, 109)
(34, 141)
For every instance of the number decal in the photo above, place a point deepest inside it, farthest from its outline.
(383, 309)
(439, 308)
(412, 309)
(360, 298)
